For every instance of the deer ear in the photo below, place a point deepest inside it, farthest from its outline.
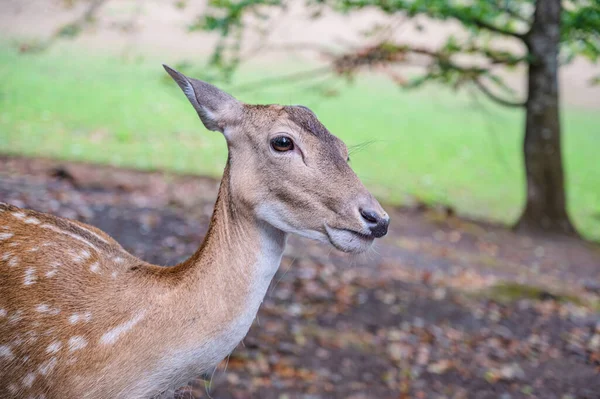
(216, 109)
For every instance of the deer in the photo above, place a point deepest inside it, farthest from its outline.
(80, 317)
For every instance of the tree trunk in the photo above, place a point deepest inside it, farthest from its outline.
(546, 203)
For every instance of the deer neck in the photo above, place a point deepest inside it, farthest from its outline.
(205, 305)
(226, 280)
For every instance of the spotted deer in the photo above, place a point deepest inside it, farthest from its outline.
(82, 318)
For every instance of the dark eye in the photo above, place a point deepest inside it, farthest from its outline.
(282, 143)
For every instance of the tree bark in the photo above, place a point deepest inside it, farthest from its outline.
(546, 203)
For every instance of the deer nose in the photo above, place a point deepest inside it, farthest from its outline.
(378, 224)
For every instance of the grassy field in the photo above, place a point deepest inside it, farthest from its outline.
(432, 145)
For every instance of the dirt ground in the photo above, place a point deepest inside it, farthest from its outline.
(441, 308)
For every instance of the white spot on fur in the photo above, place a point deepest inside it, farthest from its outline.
(30, 277)
(54, 347)
(44, 308)
(118, 259)
(28, 380)
(12, 262)
(80, 256)
(5, 236)
(85, 254)
(113, 335)
(6, 256)
(95, 267)
(12, 388)
(34, 249)
(51, 273)
(6, 352)
(47, 367)
(14, 244)
(77, 342)
(75, 236)
(80, 317)
(113, 274)
(19, 215)
(31, 220)
(54, 269)
(3, 312)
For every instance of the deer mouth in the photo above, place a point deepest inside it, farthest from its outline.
(347, 240)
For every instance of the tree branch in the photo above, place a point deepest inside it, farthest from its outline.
(387, 53)
(494, 97)
(493, 28)
(441, 67)
(486, 25)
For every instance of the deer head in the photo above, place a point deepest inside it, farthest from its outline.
(288, 170)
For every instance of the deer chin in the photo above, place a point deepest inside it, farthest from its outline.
(349, 240)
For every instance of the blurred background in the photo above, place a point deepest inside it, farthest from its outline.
(488, 284)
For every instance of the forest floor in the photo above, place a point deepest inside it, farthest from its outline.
(443, 307)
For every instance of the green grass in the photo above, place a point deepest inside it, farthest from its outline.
(431, 145)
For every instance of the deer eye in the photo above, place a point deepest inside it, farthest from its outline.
(282, 143)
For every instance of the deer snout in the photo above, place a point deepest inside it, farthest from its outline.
(373, 215)
(378, 222)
